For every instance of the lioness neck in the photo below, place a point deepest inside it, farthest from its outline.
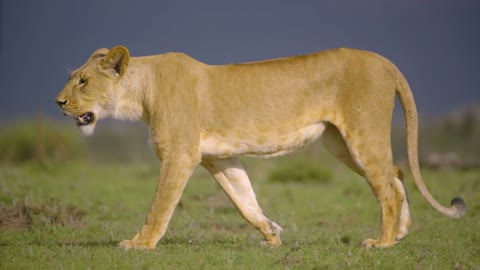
(131, 93)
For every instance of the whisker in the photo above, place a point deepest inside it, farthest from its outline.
(69, 71)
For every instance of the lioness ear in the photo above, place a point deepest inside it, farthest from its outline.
(117, 59)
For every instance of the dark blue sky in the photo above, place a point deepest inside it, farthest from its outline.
(435, 43)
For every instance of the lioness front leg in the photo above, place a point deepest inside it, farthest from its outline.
(173, 179)
(233, 179)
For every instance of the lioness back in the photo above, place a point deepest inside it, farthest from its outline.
(261, 102)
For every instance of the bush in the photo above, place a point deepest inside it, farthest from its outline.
(39, 141)
(304, 171)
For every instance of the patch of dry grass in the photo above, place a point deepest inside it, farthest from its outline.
(53, 212)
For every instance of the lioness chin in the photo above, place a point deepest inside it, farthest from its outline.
(207, 115)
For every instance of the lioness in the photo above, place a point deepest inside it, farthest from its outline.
(211, 115)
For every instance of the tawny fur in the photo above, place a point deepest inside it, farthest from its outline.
(211, 115)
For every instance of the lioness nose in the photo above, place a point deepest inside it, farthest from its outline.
(61, 102)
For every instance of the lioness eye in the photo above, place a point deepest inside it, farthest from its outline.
(82, 81)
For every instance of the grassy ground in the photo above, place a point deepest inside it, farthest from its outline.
(78, 212)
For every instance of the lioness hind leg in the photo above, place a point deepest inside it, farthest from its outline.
(379, 172)
(390, 199)
(405, 219)
(232, 177)
(378, 169)
(335, 144)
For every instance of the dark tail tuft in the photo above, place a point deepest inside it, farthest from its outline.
(460, 207)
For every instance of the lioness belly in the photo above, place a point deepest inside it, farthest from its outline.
(267, 145)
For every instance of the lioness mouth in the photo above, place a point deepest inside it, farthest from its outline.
(85, 119)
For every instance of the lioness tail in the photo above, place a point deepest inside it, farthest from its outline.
(458, 207)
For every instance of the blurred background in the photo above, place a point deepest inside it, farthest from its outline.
(433, 42)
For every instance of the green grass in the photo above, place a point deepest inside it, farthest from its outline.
(324, 221)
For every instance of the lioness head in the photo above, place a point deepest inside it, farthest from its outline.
(89, 94)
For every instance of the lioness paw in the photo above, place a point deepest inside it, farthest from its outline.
(272, 237)
(135, 244)
(272, 242)
(369, 243)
